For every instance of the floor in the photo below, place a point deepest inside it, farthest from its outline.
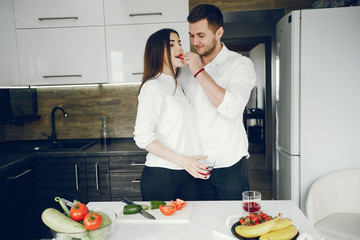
(260, 179)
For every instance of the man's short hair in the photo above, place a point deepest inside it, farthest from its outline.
(209, 12)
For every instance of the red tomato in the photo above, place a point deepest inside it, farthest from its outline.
(180, 204)
(167, 209)
(78, 212)
(92, 221)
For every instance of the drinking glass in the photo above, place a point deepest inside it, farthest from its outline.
(209, 163)
(251, 201)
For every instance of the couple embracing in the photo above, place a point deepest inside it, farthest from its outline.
(190, 108)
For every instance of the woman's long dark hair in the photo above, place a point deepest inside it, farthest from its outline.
(154, 55)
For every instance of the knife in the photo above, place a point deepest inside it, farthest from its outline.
(142, 212)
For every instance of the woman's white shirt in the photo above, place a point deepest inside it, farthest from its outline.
(166, 115)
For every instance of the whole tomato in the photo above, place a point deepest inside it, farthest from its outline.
(78, 212)
(92, 221)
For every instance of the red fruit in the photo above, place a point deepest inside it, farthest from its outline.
(267, 219)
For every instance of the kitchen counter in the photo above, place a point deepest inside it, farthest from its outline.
(15, 152)
(207, 221)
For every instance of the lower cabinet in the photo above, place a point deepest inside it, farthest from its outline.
(59, 177)
(98, 181)
(18, 206)
(125, 174)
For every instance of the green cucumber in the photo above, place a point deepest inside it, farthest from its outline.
(60, 222)
(132, 209)
(156, 204)
(144, 207)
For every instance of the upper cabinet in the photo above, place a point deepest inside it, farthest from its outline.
(55, 13)
(60, 42)
(128, 25)
(9, 74)
(145, 11)
(52, 42)
(62, 56)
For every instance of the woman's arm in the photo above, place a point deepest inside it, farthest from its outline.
(190, 164)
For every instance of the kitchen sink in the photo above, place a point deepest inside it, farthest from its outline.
(69, 145)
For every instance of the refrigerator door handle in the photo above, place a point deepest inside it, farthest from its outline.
(284, 152)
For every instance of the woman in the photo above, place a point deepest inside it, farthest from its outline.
(165, 124)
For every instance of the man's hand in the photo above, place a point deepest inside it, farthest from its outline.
(193, 62)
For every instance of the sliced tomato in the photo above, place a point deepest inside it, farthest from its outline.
(172, 203)
(167, 210)
(180, 204)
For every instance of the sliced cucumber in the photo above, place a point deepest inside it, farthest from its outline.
(131, 209)
(156, 204)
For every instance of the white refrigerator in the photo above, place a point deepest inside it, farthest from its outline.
(318, 116)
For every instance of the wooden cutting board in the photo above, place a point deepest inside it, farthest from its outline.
(180, 216)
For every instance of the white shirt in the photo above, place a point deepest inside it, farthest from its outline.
(221, 130)
(166, 115)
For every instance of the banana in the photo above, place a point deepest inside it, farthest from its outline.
(282, 234)
(282, 223)
(257, 230)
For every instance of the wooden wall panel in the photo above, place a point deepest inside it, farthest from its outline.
(241, 5)
(84, 106)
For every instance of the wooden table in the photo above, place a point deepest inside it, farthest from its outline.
(207, 221)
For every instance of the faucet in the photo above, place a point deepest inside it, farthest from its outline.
(52, 138)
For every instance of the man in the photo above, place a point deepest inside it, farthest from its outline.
(218, 83)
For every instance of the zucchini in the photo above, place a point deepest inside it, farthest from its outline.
(132, 209)
(60, 222)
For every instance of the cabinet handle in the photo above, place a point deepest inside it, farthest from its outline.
(57, 18)
(137, 73)
(62, 76)
(144, 14)
(76, 177)
(136, 180)
(137, 164)
(19, 175)
(97, 175)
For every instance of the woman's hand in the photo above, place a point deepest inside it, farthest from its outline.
(193, 167)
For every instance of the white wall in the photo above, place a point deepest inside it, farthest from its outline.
(257, 55)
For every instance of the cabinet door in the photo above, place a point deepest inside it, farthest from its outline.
(125, 175)
(55, 13)
(63, 177)
(145, 11)
(98, 178)
(127, 163)
(126, 46)
(125, 185)
(19, 204)
(62, 56)
(9, 74)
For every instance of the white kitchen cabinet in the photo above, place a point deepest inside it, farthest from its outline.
(126, 45)
(62, 56)
(9, 74)
(55, 13)
(145, 11)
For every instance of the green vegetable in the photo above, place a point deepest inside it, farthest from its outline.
(105, 219)
(60, 222)
(132, 209)
(156, 204)
(144, 207)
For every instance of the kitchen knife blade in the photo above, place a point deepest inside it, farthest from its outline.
(142, 212)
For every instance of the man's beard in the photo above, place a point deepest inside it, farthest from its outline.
(209, 49)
